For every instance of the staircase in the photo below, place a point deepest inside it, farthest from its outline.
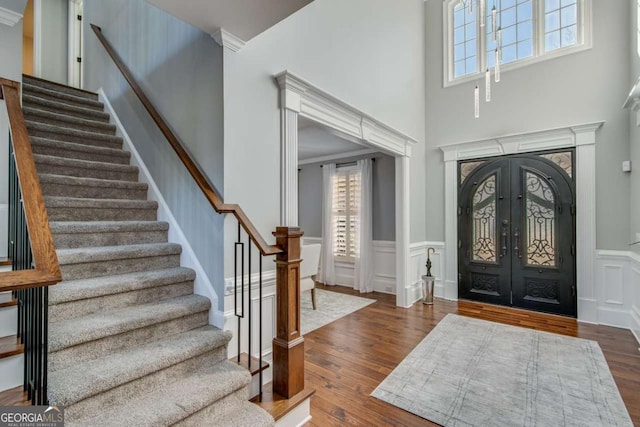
(129, 342)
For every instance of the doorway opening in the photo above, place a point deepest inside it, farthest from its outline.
(517, 231)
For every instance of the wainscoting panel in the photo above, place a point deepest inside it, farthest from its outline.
(617, 289)
(384, 266)
(635, 284)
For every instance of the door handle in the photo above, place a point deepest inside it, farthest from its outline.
(505, 224)
(516, 239)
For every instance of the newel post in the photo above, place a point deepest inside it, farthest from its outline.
(288, 345)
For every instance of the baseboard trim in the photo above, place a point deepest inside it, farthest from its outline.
(188, 258)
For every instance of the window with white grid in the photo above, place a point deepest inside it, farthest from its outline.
(522, 31)
(346, 196)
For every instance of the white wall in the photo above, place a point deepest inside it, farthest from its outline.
(370, 53)
(580, 88)
(54, 34)
(180, 69)
(10, 68)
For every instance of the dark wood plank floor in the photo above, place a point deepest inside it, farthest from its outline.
(347, 359)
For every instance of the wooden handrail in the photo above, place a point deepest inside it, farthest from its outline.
(47, 269)
(203, 183)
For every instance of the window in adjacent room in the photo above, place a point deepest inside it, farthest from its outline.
(346, 188)
(530, 31)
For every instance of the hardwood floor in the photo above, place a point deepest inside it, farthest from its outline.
(347, 359)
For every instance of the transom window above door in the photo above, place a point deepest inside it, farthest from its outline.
(516, 32)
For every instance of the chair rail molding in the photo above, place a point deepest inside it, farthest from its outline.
(299, 97)
(581, 137)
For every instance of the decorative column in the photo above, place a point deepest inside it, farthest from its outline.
(585, 142)
(405, 295)
(291, 92)
(288, 345)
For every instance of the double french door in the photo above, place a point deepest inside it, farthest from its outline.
(516, 230)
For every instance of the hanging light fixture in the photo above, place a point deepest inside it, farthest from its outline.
(497, 66)
(487, 85)
(496, 34)
(494, 22)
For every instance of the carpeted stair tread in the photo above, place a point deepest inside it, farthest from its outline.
(35, 81)
(72, 332)
(67, 134)
(240, 413)
(66, 120)
(75, 290)
(93, 188)
(70, 227)
(62, 97)
(76, 234)
(112, 253)
(91, 182)
(73, 202)
(79, 382)
(86, 168)
(175, 402)
(55, 106)
(66, 149)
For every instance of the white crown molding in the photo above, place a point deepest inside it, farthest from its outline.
(549, 139)
(337, 156)
(9, 17)
(225, 39)
(302, 97)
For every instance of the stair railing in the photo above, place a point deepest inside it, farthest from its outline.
(34, 261)
(288, 345)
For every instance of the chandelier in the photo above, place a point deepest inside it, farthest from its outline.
(496, 34)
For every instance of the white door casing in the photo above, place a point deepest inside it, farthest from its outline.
(301, 98)
(583, 138)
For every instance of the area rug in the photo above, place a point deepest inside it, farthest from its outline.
(330, 306)
(470, 372)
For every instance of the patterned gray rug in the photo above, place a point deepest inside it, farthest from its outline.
(330, 306)
(470, 372)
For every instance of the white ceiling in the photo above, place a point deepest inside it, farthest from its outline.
(244, 19)
(317, 141)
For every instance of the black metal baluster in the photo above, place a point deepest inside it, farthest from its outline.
(249, 334)
(239, 313)
(260, 327)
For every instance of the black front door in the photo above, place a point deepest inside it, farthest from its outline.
(516, 232)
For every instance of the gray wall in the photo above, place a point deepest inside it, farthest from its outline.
(180, 69)
(54, 40)
(10, 68)
(369, 53)
(634, 145)
(383, 203)
(574, 89)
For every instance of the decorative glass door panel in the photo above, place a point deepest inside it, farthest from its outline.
(484, 221)
(540, 222)
(516, 232)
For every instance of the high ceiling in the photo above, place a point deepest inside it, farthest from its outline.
(317, 141)
(244, 19)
